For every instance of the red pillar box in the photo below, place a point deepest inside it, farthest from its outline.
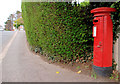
(103, 40)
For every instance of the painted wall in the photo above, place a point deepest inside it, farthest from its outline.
(117, 53)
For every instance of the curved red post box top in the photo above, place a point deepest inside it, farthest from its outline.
(103, 10)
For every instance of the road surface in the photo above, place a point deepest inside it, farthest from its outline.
(19, 64)
(5, 37)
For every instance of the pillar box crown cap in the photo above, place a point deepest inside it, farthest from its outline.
(103, 10)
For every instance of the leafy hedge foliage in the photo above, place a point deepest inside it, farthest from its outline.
(116, 19)
(62, 31)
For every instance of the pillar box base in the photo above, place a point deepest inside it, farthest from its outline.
(103, 71)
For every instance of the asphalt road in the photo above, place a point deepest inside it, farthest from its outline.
(5, 37)
(21, 65)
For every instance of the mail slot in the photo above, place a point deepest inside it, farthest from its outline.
(103, 40)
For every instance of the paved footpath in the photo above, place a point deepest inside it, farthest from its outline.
(21, 65)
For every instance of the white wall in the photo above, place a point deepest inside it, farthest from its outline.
(117, 53)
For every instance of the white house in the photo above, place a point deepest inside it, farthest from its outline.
(21, 27)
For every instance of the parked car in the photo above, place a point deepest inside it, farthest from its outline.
(1, 28)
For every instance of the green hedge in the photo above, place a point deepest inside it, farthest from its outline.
(62, 31)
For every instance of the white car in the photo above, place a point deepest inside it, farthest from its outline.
(1, 29)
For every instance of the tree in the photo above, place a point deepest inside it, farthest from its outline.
(17, 12)
(18, 22)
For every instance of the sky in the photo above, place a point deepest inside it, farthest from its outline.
(8, 7)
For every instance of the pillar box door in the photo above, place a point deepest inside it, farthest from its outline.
(103, 37)
(98, 41)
